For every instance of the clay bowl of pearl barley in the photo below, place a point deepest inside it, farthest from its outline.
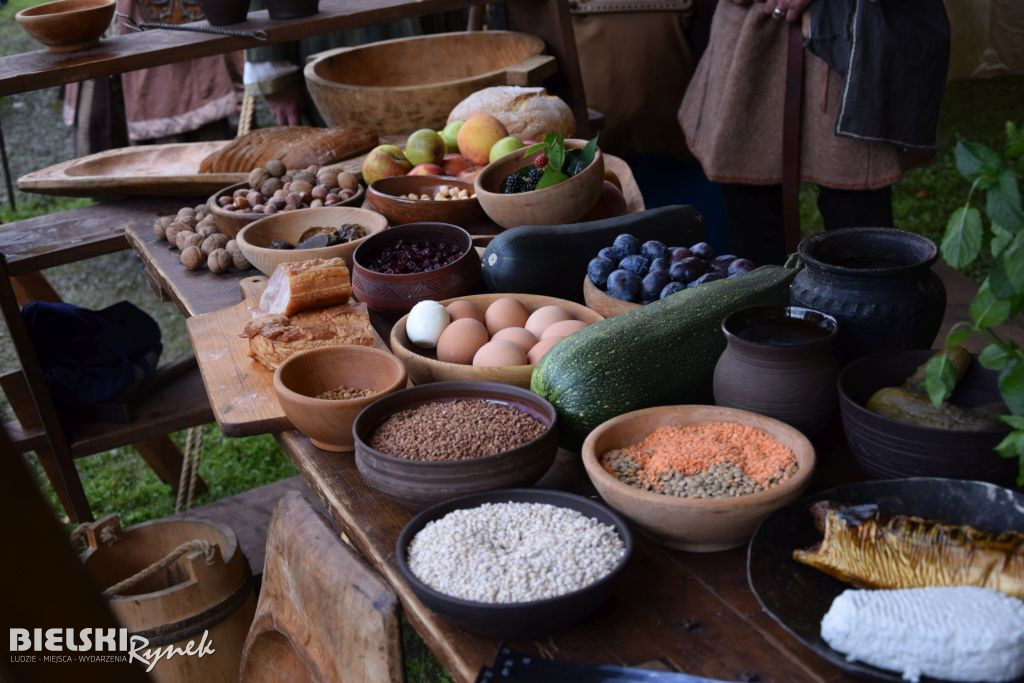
(439, 441)
(541, 560)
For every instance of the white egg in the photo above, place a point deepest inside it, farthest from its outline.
(425, 323)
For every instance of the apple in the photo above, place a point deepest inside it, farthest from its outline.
(450, 135)
(504, 146)
(454, 164)
(424, 147)
(384, 161)
(477, 135)
(426, 169)
(469, 174)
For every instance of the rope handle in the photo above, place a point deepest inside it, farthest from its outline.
(197, 545)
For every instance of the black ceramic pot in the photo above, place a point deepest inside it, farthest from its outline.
(223, 12)
(292, 9)
(878, 285)
(779, 362)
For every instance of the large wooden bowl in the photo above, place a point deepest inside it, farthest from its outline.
(565, 202)
(67, 25)
(254, 239)
(231, 222)
(604, 303)
(390, 197)
(693, 524)
(423, 366)
(419, 483)
(307, 374)
(397, 86)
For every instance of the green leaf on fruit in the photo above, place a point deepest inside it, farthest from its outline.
(939, 379)
(550, 177)
(1011, 386)
(962, 241)
(993, 357)
(589, 152)
(987, 310)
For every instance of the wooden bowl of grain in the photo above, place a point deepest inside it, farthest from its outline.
(305, 376)
(690, 523)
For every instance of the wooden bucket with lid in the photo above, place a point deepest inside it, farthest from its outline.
(207, 588)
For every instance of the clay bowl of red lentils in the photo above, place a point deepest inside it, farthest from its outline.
(397, 268)
(439, 441)
(697, 478)
(322, 390)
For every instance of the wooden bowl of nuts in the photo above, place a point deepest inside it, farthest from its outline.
(327, 232)
(273, 188)
(419, 198)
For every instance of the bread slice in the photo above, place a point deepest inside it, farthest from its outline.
(273, 338)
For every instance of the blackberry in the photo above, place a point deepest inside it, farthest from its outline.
(523, 180)
(533, 177)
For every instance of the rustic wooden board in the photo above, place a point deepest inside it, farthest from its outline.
(170, 170)
(241, 391)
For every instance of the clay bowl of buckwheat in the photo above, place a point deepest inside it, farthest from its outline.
(439, 441)
(697, 478)
(542, 560)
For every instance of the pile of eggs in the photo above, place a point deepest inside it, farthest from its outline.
(505, 334)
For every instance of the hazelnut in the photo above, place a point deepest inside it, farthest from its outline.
(241, 203)
(331, 198)
(187, 238)
(219, 261)
(301, 186)
(319, 192)
(348, 181)
(224, 200)
(206, 229)
(326, 177)
(286, 178)
(270, 187)
(240, 192)
(293, 199)
(275, 168)
(214, 242)
(257, 176)
(193, 258)
(254, 198)
(230, 207)
(316, 203)
(259, 208)
(270, 208)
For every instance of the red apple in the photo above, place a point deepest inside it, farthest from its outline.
(454, 164)
(469, 173)
(426, 169)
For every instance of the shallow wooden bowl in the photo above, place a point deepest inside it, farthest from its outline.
(388, 195)
(304, 375)
(394, 295)
(693, 524)
(604, 303)
(417, 483)
(67, 25)
(231, 222)
(254, 239)
(516, 620)
(397, 86)
(423, 366)
(565, 202)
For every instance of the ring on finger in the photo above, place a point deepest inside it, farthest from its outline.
(778, 13)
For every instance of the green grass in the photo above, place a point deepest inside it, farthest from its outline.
(39, 206)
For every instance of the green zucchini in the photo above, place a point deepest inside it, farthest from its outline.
(552, 259)
(663, 353)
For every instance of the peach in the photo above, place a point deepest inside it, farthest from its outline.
(384, 161)
(477, 135)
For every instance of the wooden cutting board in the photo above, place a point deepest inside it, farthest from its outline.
(241, 391)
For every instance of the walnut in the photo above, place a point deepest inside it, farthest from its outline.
(200, 208)
(269, 186)
(257, 176)
(193, 258)
(160, 230)
(214, 242)
(241, 263)
(187, 238)
(275, 168)
(172, 231)
(186, 211)
(219, 261)
(348, 181)
(206, 229)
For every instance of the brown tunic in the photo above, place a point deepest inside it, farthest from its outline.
(733, 110)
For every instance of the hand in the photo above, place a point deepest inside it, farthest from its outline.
(793, 8)
(286, 105)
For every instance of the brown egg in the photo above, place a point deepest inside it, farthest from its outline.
(540, 348)
(517, 335)
(463, 309)
(505, 312)
(499, 353)
(563, 328)
(460, 341)
(545, 317)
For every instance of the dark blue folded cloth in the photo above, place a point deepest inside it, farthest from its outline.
(91, 357)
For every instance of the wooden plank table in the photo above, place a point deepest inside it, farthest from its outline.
(693, 611)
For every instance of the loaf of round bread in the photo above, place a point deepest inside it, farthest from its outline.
(527, 113)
